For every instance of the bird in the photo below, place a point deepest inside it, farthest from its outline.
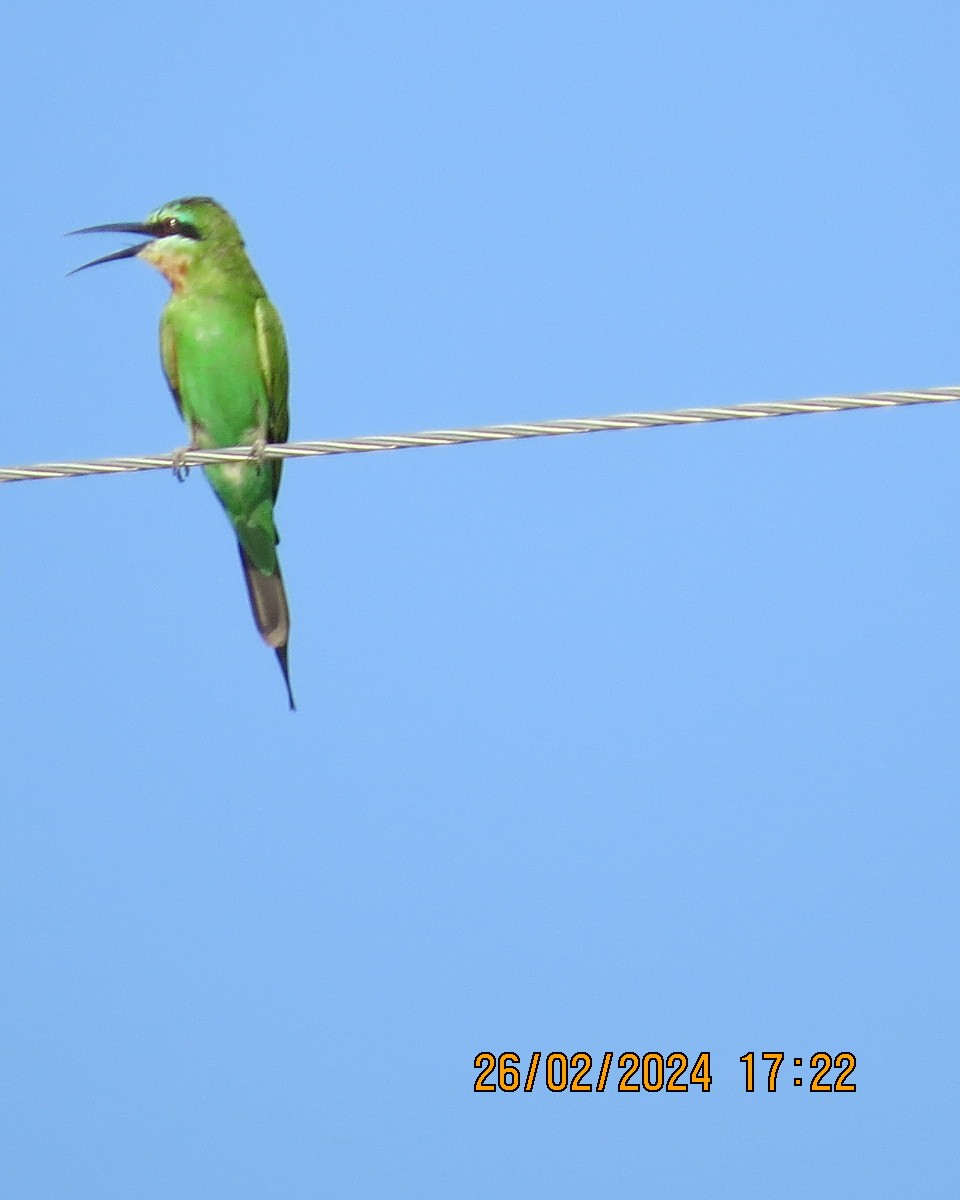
(224, 355)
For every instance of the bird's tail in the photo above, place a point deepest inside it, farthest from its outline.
(268, 599)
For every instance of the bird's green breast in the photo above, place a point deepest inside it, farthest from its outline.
(218, 375)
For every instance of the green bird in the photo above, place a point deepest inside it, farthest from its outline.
(224, 354)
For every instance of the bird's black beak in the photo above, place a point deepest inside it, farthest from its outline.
(147, 231)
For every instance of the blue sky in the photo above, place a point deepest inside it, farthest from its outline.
(631, 742)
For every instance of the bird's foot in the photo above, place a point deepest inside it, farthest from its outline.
(258, 451)
(180, 469)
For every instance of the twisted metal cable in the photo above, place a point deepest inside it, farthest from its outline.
(481, 433)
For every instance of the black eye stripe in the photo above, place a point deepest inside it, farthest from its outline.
(171, 226)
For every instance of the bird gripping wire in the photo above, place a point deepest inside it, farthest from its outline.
(480, 433)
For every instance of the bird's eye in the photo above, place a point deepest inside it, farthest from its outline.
(173, 226)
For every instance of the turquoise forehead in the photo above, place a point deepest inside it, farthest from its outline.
(178, 208)
(200, 211)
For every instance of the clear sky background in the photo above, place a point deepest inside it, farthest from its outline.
(629, 742)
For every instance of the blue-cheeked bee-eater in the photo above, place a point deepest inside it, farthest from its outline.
(224, 354)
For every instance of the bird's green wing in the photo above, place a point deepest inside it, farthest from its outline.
(168, 359)
(272, 352)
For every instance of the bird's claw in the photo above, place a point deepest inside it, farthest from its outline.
(258, 451)
(180, 469)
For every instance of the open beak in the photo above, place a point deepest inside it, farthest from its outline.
(146, 231)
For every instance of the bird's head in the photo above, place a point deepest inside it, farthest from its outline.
(182, 235)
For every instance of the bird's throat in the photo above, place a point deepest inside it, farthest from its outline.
(172, 266)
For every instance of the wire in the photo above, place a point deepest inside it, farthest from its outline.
(481, 433)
